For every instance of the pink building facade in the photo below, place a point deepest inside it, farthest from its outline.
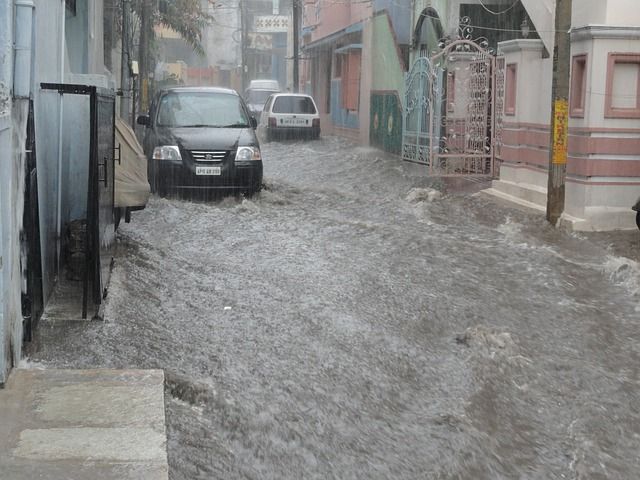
(340, 41)
(603, 166)
(333, 36)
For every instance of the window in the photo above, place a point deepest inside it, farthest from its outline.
(258, 97)
(339, 67)
(578, 85)
(351, 81)
(294, 104)
(326, 67)
(428, 32)
(622, 96)
(201, 110)
(267, 105)
(511, 89)
(405, 54)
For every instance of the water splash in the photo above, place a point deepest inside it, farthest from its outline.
(419, 195)
(624, 272)
(28, 364)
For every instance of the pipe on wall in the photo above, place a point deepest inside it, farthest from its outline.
(60, 135)
(23, 60)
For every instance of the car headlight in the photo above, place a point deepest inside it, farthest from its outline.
(248, 154)
(167, 152)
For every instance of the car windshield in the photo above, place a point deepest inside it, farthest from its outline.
(201, 109)
(294, 104)
(258, 97)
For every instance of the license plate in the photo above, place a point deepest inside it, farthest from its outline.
(297, 122)
(208, 171)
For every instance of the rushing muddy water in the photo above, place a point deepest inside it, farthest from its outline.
(351, 322)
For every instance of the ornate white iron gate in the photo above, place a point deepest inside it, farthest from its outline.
(453, 110)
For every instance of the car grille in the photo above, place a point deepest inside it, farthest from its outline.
(209, 155)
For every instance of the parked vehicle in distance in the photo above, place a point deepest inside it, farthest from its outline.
(257, 94)
(289, 115)
(201, 139)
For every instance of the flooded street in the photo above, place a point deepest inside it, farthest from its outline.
(350, 322)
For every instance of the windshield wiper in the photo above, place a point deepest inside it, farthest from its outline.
(236, 125)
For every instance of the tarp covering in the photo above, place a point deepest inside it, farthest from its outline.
(132, 185)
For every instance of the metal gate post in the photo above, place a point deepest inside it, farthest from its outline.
(492, 89)
(431, 98)
(421, 103)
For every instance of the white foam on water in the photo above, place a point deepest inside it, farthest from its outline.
(624, 272)
(510, 229)
(419, 195)
(27, 364)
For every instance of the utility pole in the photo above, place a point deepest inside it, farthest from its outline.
(296, 45)
(244, 42)
(125, 62)
(559, 112)
(144, 55)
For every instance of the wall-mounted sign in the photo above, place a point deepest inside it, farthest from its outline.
(271, 24)
(560, 132)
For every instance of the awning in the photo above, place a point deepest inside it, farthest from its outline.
(332, 38)
(347, 48)
(308, 30)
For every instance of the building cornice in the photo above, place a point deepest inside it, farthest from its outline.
(605, 32)
(521, 44)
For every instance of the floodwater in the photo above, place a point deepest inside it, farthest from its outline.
(351, 323)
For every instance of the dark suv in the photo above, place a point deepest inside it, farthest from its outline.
(199, 139)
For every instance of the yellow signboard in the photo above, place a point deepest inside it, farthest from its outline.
(560, 132)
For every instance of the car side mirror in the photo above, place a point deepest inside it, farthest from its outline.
(253, 122)
(144, 120)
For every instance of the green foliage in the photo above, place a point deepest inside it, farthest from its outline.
(187, 17)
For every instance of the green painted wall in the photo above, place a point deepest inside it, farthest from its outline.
(387, 69)
(388, 78)
(387, 88)
(386, 122)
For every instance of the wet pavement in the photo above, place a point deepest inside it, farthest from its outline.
(350, 322)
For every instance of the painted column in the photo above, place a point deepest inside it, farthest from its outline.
(524, 152)
(48, 67)
(6, 63)
(603, 169)
(365, 80)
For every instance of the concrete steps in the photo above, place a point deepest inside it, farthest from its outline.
(79, 424)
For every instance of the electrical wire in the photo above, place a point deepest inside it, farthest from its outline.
(499, 13)
(435, 17)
